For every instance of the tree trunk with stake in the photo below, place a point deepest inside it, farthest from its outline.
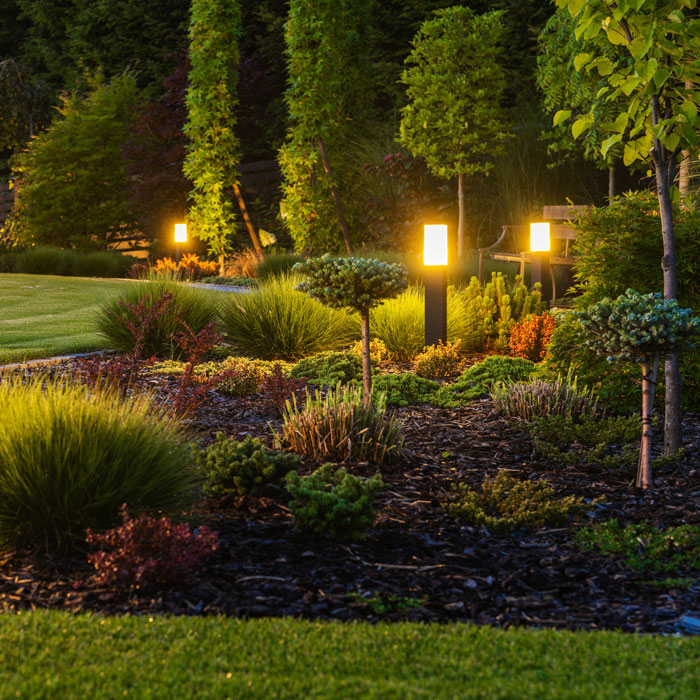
(366, 360)
(649, 376)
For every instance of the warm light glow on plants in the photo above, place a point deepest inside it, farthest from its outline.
(539, 237)
(435, 244)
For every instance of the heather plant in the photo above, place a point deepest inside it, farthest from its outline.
(506, 503)
(145, 551)
(529, 337)
(639, 328)
(357, 284)
(152, 313)
(439, 361)
(275, 322)
(333, 503)
(328, 368)
(242, 468)
(110, 452)
(643, 546)
(476, 381)
(339, 426)
(539, 399)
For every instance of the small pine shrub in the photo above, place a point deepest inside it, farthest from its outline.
(529, 337)
(242, 468)
(45, 260)
(645, 547)
(333, 503)
(341, 426)
(159, 308)
(611, 441)
(275, 322)
(377, 350)
(329, 368)
(146, 551)
(505, 503)
(538, 399)
(72, 455)
(102, 263)
(476, 380)
(404, 389)
(439, 361)
(275, 264)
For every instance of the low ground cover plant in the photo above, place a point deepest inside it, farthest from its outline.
(643, 546)
(339, 426)
(439, 361)
(72, 456)
(476, 381)
(154, 312)
(539, 399)
(405, 388)
(611, 441)
(242, 468)
(328, 368)
(333, 503)
(278, 323)
(505, 503)
(147, 551)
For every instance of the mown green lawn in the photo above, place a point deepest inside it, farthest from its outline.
(45, 315)
(59, 655)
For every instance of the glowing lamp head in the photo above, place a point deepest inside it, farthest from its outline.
(539, 237)
(435, 244)
(180, 233)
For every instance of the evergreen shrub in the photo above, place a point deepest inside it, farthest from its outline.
(476, 381)
(45, 260)
(329, 369)
(439, 361)
(333, 503)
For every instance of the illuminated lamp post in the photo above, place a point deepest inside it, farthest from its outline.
(539, 251)
(180, 237)
(435, 276)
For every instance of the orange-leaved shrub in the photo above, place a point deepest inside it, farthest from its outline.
(529, 337)
(189, 267)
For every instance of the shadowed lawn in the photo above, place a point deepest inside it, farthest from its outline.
(44, 315)
(62, 655)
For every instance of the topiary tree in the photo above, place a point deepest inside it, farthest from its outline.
(639, 328)
(455, 84)
(327, 97)
(353, 283)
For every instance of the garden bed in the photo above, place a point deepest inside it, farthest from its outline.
(417, 563)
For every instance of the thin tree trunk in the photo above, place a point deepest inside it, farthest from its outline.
(248, 223)
(222, 266)
(336, 197)
(611, 183)
(644, 476)
(460, 227)
(684, 174)
(366, 360)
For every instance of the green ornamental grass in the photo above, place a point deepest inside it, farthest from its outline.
(278, 323)
(70, 457)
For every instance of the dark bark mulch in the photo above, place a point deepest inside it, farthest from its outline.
(417, 563)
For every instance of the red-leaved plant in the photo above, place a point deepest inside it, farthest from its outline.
(147, 551)
(277, 388)
(529, 338)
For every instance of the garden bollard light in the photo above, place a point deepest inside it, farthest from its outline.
(180, 237)
(435, 275)
(541, 270)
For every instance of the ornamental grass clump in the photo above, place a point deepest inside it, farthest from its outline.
(340, 426)
(333, 503)
(71, 455)
(356, 284)
(639, 328)
(146, 551)
(506, 503)
(275, 322)
(539, 399)
(242, 468)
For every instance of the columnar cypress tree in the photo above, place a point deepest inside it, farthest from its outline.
(213, 149)
(327, 101)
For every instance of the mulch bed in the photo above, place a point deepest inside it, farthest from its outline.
(417, 562)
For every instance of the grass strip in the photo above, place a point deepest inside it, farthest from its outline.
(46, 315)
(48, 654)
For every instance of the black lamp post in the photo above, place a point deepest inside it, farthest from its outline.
(541, 270)
(435, 276)
(180, 237)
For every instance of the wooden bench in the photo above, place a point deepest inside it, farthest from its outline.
(561, 235)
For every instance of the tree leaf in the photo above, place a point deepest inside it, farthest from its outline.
(560, 116)
(580, 60)
(609, 143)
(580, 125)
